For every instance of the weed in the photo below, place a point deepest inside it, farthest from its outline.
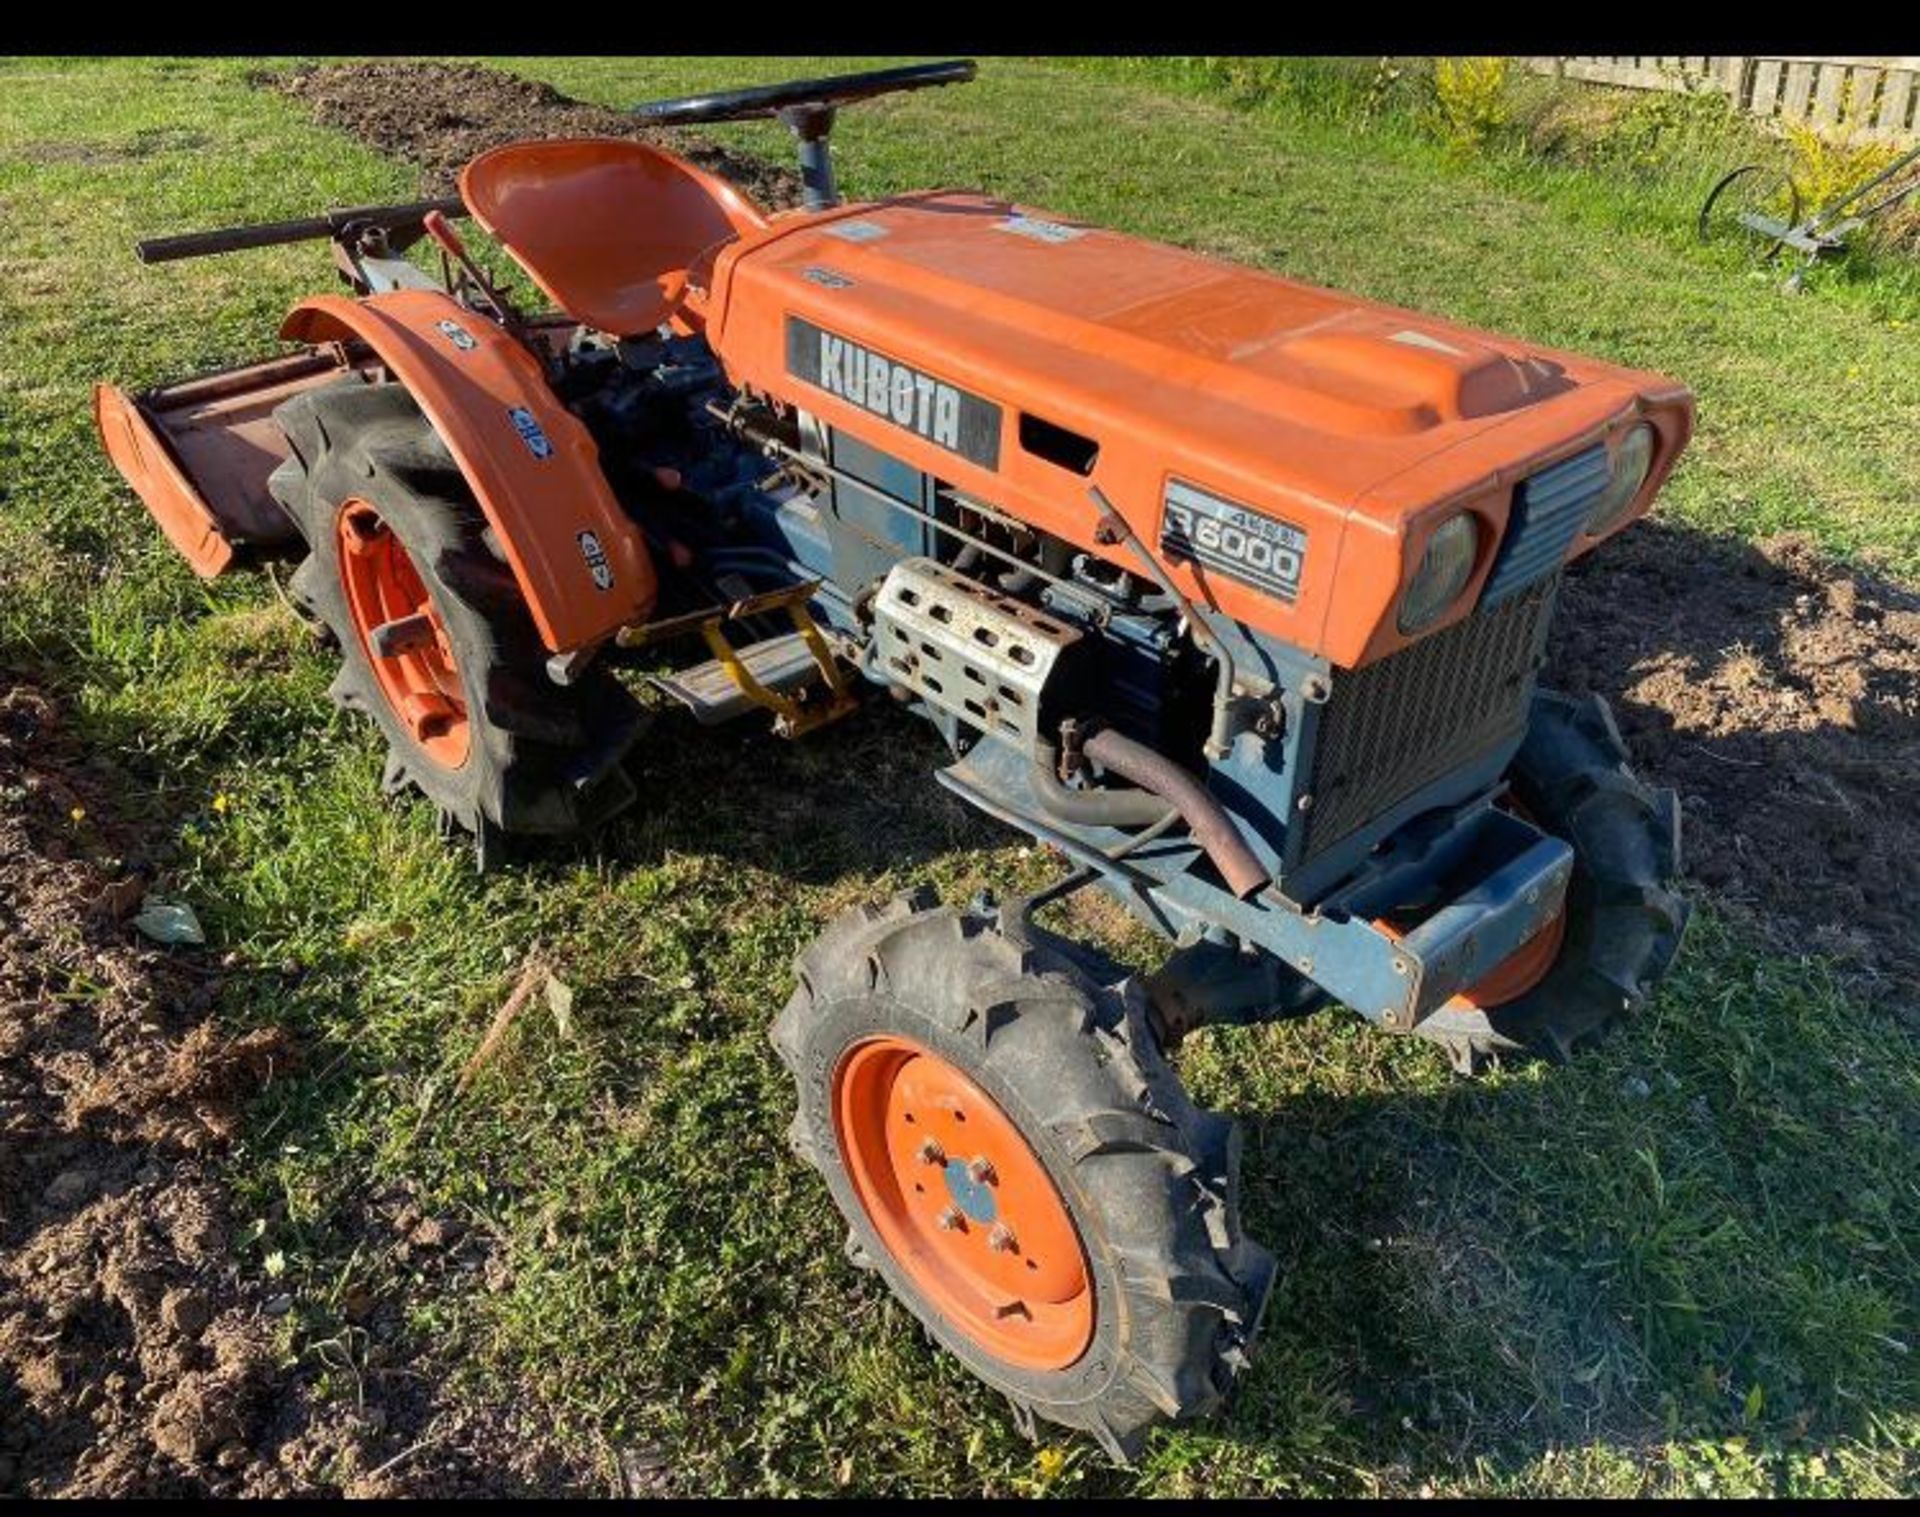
(1472, 99)
(1829, 162)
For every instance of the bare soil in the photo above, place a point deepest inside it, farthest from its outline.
(138, 1355)
(1779, 693)
(437, 116)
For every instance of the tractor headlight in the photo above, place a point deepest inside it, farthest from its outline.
(1631, 461)
(1443, 573)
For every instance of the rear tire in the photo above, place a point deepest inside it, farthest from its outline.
(539, 759)
(1147, 1180)
(1623, 919)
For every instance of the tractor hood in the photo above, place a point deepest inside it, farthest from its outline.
(1023, 358)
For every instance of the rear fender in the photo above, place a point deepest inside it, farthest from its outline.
(578, 558)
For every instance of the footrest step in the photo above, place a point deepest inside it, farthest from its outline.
(708, 691)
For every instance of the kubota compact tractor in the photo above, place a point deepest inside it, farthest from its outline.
(1231, 589)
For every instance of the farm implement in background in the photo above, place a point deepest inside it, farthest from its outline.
(1764, 204)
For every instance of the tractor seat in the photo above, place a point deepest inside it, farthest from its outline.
(609, 229)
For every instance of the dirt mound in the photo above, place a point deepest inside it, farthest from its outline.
(1780, 694)
(440, 115)
(136, 1358)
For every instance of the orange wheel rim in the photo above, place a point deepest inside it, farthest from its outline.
(1520, 970)
(419, 677)
(963, 1203)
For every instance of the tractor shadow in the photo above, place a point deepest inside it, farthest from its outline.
(1613, 1256)
(855, 799)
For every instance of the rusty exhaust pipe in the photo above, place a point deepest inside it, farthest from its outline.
(1211, 827)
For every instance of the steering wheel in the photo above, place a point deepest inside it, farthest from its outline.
(772, 99)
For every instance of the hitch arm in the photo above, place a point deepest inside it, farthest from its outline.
(409, 216)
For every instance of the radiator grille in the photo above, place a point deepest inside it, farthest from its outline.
(1398, 725)
(1548, 510)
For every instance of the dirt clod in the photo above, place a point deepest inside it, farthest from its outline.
(187, 1312)
(438, 116)
(139, 1352)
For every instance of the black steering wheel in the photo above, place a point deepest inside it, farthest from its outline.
(772, 99)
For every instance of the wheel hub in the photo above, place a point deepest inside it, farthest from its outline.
(401, 632)
(963, 1203)
(970, 1195)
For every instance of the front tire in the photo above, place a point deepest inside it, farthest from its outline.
(1623, 919)
(1017, 1161)
(469, 716)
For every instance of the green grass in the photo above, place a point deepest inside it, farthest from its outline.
(1684, 1264)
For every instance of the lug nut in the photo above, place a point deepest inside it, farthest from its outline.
(950, 1219)
(1001, 1239)
(981, 1172)
(932, 1153)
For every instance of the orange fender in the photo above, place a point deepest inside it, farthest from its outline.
(577, 556)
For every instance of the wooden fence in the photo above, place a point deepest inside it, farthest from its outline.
(1875, 96)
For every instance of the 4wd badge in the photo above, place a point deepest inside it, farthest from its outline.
(1239, 542)
(531, 432)
(596, 557)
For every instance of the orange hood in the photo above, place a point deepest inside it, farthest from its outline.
(1022, 359)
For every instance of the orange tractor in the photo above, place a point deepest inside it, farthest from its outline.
(1232, 590)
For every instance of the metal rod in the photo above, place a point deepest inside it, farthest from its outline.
(1218, 745)
(269, 234)
(783, 450)
(811, 125)
(689, 622)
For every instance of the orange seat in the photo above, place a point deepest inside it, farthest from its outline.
(609, 229)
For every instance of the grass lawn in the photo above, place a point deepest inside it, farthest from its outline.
(1684, 1264)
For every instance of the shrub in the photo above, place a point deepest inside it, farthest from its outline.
(1827, 164)
(1472, 99)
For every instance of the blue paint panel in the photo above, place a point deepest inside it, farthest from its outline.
(1547, 512)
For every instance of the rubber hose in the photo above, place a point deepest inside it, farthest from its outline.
(1092, 808)
(1210, 825)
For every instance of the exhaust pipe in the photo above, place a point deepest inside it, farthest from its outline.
(1210, 825)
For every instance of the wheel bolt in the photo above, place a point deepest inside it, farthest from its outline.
(932, 1153)
(1001, 1239)
(950, 1219)
(982, 1172)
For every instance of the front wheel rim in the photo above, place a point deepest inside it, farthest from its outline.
(963, 1204)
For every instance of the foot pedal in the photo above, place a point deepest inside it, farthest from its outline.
(713, 695)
